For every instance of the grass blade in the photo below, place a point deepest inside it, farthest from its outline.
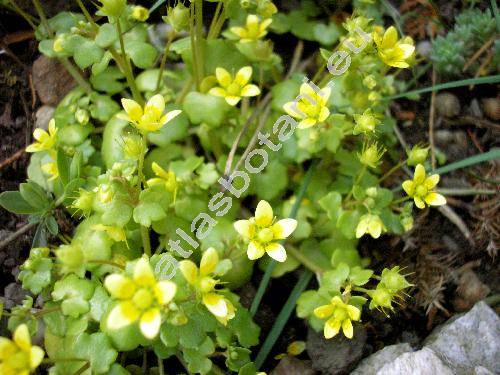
(490, 155)
(156, 5)
(448, 85)
(270, 267)
(283, 317)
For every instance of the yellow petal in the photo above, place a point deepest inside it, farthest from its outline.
(122, 315)
(307, 123)
(239, 31)
(419, 175)
(332, 328)
(296, 347)
(323, 114)
(52, 127)
(264, 214)
(435, 199)
(223, 77)
(347, 328)
(35, 147)
(36, 356)
(170, 116)
(215, 304)
(143, 273)
(232, 100)
(375, 228)
(209, 261)
(40, 134)
(419, 202)
(250, 90)
(155, 181)
(189, 271)
(255, 250)
(324, 311)
(407, 50)
(133, 109)
(218, 91)
(150, 323)
(390, 37)
(157, 103)
(308, 93)
(245, 228)
(165, 291)
(7, 348)
(22, 337)
(284, 228)
(431, 181)
(408, 187)
(243, 76)
(325, 94)
(276, 251)
(265, 23)
(353, 312)
(291, 109)
(361, 228)
(119, 286)
(159, 171)
(252, 21)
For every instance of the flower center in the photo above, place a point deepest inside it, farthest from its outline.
(265, 235)
(207, 284)
(421, 190)
(233, 89)
(142, 299)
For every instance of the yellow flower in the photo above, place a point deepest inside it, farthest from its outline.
(150, 118)
(371, 224)
(51, 169)
(253, 30)
(293, 349)
(311, 108)
(263, 234)
(421, 188)
(140, 13)
(339, 314)
(233, 89)
(201, 279)
(166, 178)
(116, 233)
(371, 155)
(141, 298)
(366, 122)
(44, 141)
(18, 356)
(393, 52)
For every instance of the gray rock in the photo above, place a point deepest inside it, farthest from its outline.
(469, 340)
(51, 80)
(43, 115)
(422, 362)
(372, 364)
(480, 370)
(293, 366)
(337, 355)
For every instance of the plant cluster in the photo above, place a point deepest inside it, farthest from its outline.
(122, 158)
(473, 28)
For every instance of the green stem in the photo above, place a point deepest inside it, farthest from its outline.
(283, 317)
(460, 192)
(146, 242)
(108, 262)
(198, 8)
(161, 370)
(82, 369)
(400, 200)
(215, 20)
(75, 74)
(306, 262)
(27, 17)
(391, 171)
(193, 45)
(87, 14)
(159, 81)
(43, 312)
(129, 74)
(270, 267)
(356, 182)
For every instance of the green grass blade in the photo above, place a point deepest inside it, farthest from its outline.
(448, 85)
(495, 13)
(283, 317)
(270, 267)
(156, 5)
(490, 155)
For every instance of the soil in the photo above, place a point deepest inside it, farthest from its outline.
(450, 272)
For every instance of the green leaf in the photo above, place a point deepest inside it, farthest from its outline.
(63, 166)
(327, 34)
(36, 272)
(34, 195)
(74, 294)
(359, 276)
(271, 182)
(108, 80)
(332, 204)
(333, 280)
(106, 35)
(205, 108)
(237, 358)
(244, 328)
(333, 138)
(14, 202)
(52, 225)
(87, 54)
(97, 348)
(347, 222)
(308, 301)
(197, 358)
(143, 54)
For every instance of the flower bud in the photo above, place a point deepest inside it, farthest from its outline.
(104, 193)
(369, 81)
(113, 7)
(71, 257)
(58, 44)
(407, 223)
(417, 155)
(365, 123)
(393, 281)
(140, 13)
(84, 202)
(381, 298)
(82, 116)
(371, 192)
(178, 17)
(133, 146)
(371, 155)
(266, 8)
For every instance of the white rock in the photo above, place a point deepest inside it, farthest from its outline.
(469, 340)
(373, 363)
(422, 362)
